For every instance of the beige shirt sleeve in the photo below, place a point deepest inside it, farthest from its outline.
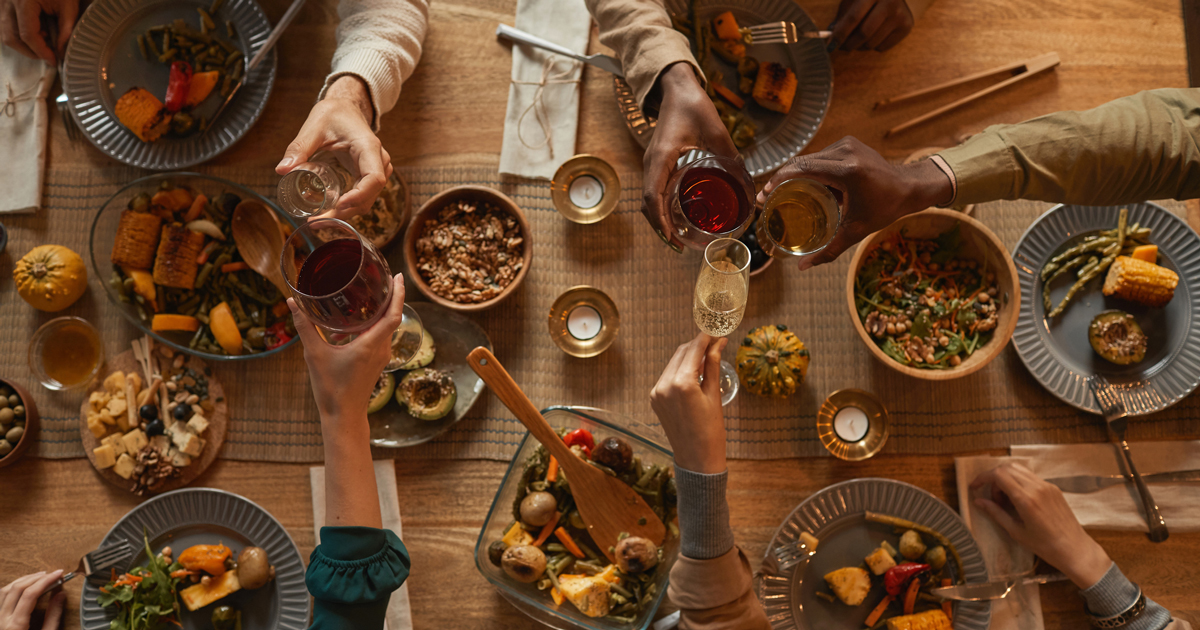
(1145, 146)
(716, 594)
(640, 32)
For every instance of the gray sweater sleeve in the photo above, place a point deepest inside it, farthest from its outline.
(1114, 594)
(704, 531)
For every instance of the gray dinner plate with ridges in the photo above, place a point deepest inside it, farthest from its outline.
(836, 516)
(198, 516)
(780, 136)
(103, 62)
(1058, 353)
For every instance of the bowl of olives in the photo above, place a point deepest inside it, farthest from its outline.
(759, 259)
(18, 422)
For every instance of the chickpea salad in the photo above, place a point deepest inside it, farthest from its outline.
(924, 304)
(548, 545)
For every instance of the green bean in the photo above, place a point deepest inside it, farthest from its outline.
(237, 71)
(647, 476)
(192, 304)
(167, 56)
(620, 590)
(183, 42)
(152, 47)
(620, 619)
(196, 49)
(566, 564)
(555, 548)
(166, 41)
(225, 85)
(233, 58)
(157, 29)
(229, 30)
(206, 19)
(623, 608)
(553, 579)
(141, 42)
(224, 257)
(1079, 284)
(1082, 248)
(1091, 264)
(205, 272)
(216, 6)
(196, 338)
(1060, 272)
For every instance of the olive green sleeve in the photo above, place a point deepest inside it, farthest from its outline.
(1145, 146)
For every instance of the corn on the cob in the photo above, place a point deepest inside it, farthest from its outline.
(928, 620)
(175, 265)
(1141, 282)
(137, 239)
(143, 114)
(775, 87)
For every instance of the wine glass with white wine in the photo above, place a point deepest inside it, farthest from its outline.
(720, 300)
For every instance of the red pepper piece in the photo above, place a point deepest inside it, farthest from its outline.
(178, 85)
(899, 575)
(276, 335)
(581, 437)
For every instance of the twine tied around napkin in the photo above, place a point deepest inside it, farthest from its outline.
(539, 108)
(10, 102)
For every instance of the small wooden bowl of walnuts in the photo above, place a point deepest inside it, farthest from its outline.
(18, 422)
(468, 248)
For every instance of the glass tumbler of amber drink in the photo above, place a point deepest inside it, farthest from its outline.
(800, 218)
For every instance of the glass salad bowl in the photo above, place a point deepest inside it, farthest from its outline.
(646, 443)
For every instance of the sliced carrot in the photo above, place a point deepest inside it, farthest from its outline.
(166, 321)
(198, 205)
(546, 530)
(552, 470)
(557, 596)
(873, 618)
(182, 573)
(910, 596)
(728, 95)
(568, 542)
(280, 309)
(948, 606)
(234, 266)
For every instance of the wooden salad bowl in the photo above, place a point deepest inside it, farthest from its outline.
(979, 243)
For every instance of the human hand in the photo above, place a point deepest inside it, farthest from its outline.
(18, 599)
(1037, 516)
(341, 122)
(870, 24)
(21, 26)
(690, 412)
(687, 120)
(342, 377)
(871, 191)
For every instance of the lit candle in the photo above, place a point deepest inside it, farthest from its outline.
(851, 424)
(584, 322)
(586, 191)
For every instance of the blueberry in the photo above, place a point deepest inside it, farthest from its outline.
(155, 427)
(181, 412)
(148, 412)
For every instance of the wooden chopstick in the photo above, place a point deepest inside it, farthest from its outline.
(1028, 68)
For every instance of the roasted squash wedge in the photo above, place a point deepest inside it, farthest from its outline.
(142, 113)
(775, 87)
(726, 26)
(137, 239)
(175, 264)
(224, 328)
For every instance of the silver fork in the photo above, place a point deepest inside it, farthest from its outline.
(779, 33)
(94, 564)
(1113, 410)
(604, 62)
(64, 108)
(790, 554)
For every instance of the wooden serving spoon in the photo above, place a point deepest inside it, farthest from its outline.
(259, 238)
(607, 505)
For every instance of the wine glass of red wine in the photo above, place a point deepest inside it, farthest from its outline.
(343, 284)
(711, 197)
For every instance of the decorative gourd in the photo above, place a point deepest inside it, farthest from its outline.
(771, 361)
(50, 277)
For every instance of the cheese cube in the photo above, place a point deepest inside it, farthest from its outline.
(198, 424)
(177, 431)
(116, 442)
(96, 426)
(98, 400)
(115, 382)
(161, 443)
(134, 441)
(105, 457)
(180, 460)
(880, 561)
(106, 417)
(192, 445)
(125, 466)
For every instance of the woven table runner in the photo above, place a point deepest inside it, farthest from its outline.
(273, 418)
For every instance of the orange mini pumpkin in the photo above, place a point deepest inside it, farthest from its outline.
(50, 277)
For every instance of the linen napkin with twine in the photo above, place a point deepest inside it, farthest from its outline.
(399, 612)
(24, 85)
(543, 99)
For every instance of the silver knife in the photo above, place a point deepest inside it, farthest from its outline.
(1083, 484)
(991, 590)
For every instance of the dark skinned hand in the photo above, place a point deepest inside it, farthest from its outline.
(870, 24)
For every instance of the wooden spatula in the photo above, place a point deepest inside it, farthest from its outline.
(607, 505)
(259, 239)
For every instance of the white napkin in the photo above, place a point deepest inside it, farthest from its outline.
(1022, 609)
(24, 85)
(1118, 507)
(543, 99)
(399, 614)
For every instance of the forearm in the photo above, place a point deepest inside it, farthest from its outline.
(640, 32)
(353, 90)
(351, 497)
(1145, 146)
(1114, 594)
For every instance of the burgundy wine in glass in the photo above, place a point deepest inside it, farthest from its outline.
(337, 277)
(711, 198)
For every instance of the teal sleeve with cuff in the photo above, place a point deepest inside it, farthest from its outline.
(704, 531)
(1115, 594)
(352, 574)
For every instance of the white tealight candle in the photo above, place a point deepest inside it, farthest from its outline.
(851, 424)
(584, 322)
(586, 191)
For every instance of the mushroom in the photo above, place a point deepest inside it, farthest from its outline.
(254, 570)
(614, 453)
(496, 552)
(538, 508)
(524, 563)
(636, 554)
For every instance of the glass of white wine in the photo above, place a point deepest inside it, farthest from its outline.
(720, 300)
(799, 219)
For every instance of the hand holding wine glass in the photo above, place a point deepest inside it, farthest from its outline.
(690, 410)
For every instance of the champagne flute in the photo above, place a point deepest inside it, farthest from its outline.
(720, 299)
(343, 284)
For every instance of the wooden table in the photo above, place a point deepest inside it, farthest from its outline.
(452, 110)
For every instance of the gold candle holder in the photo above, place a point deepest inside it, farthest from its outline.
(852, 424)
(585, 189)
(584, 321)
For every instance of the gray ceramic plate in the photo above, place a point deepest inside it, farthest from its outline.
(454, 336)
(205, 516)
(103, 62)
(1057, 352)
(779, 136)
(835, 516)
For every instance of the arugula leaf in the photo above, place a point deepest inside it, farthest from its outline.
(948, 244)
(921, 325)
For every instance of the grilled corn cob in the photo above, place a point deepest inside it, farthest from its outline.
(143, 114)
(1141, 282)
(928, 620)
(137, 239)
(175, 265)
(775, 87)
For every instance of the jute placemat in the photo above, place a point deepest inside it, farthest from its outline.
(273, 417)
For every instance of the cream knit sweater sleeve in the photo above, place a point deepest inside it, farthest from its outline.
(379, 41)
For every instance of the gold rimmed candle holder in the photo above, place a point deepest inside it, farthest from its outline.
(585, 189)
(852, 424)
(584, 321)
